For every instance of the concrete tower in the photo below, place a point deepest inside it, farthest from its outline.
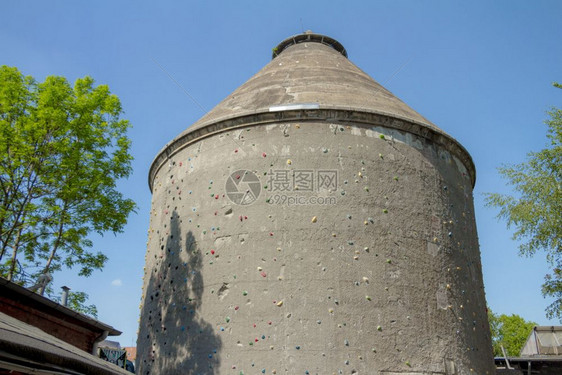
(313, 223)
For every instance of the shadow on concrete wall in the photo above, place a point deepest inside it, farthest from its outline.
(173, 338)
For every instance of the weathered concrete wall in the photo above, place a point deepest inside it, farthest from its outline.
(384, 280)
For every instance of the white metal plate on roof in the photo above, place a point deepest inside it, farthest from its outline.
(289, 107)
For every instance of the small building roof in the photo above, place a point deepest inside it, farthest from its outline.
(26, 348)
(543, 341)
(16, 292)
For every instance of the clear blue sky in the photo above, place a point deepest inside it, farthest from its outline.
(480, 70)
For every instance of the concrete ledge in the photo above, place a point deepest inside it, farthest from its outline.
(342, 116)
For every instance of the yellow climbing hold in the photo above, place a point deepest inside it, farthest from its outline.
(314, 219)
(280, 303)
(289, 162)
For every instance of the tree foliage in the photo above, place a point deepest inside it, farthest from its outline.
(62, 150)
(536, 213)
(509, 331)
(77, 302)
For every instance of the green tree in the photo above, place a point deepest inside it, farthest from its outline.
(62, 150)
(77, 301)
(536, 213)
(509, 331)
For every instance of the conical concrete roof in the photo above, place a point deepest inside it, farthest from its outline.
(311, 78)
(311, 69)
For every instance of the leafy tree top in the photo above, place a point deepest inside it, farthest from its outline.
(509, 331)
(62, 150)
(536, 210)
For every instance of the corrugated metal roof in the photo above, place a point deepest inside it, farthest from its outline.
(543, 340)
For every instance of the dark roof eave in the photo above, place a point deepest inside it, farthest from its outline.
(537, 358)
(29, 347)
(60, 308)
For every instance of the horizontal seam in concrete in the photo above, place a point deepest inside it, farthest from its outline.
(351, 116)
